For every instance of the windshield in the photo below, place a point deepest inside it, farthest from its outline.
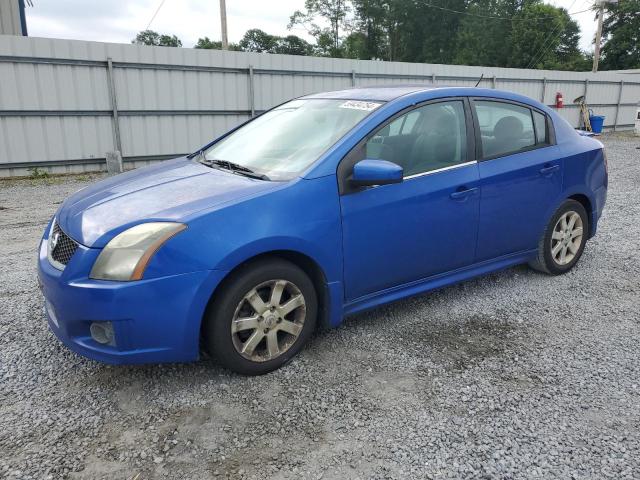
(284, 141)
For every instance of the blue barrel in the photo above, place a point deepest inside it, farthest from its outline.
(597, 122)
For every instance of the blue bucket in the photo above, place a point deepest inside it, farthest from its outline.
(597, 122)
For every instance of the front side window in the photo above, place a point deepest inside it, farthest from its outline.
(283, 142)
(425, 139)
(505, 128)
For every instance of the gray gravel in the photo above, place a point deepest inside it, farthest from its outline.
(513, 375)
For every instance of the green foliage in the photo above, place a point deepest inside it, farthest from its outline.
(495, 33)
(526, 33)
(483, 41)
(207, 44)
(553, 43)
(621, 33)
(36, 174)
(293, 45)
(426, 33)
(333, 12)
(256, 40)
(372, 21)
(355, 46)
(151, 38)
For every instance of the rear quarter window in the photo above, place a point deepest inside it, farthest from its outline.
(540, 123)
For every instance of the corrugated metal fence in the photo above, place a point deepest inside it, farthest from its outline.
(65, 103)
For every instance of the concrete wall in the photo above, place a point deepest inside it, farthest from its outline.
(65, 103)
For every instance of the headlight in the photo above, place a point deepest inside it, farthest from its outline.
(126, 256)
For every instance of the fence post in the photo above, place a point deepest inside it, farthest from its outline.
(544, 90)
(493, 82)
(117, 142)
(586, 89)
(353, 78)
(433, 78)
(615, 123)
(252, 100)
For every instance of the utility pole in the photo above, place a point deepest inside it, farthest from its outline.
(596, 53)
(223, 21)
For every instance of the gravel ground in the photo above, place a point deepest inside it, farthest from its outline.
(513, 375)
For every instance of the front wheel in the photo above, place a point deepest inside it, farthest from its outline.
(564, 239)
(262, 316)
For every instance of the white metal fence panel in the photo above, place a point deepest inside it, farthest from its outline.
(65, 103)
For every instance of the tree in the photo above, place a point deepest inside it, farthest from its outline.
(256, 40)
(293, 45)
(355, 46)
(500, 33)
(207, 44)
(621, 33)
(485, 41)
(428, 33)
(335, 12)
(371, 40)
(151, 38)
(540, 44)
(537, 36)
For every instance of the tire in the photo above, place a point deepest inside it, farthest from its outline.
(249, 350)
(558, 237)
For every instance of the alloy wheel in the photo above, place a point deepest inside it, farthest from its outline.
(268, 320)
(566, 238)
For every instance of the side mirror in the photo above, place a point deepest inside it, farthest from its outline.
(376, 172)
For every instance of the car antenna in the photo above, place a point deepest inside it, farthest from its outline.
(479, 80)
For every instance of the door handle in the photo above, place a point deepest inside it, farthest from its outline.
(549, 169)
(462, 194)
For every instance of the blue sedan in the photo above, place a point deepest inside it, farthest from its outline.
(322, 207)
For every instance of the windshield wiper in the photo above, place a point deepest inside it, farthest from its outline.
(234, 167)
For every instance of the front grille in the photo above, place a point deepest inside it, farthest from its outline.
(61, 246)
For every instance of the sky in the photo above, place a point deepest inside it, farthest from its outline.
(120, 20)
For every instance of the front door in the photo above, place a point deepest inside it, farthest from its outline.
(425, 225)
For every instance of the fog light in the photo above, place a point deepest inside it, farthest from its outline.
(102, 332)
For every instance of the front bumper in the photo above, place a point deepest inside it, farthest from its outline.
(154, 320)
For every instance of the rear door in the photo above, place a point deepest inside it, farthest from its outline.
(520, 176)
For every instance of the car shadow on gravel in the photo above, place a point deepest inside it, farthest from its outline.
(460, 346)
(442, 326)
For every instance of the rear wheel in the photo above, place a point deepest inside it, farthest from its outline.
(564, 239)
(261, 318)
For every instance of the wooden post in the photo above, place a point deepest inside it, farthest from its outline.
(223, 24)
(117, 142)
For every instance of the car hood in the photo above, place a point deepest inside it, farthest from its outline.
(171, 190)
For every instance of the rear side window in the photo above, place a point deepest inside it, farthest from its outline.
(540, 123)
(505, 128)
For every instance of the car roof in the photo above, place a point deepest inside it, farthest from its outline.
(389, 93)
(386, 93)
(382, 93)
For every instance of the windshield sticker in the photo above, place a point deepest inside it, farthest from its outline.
(358, 105)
